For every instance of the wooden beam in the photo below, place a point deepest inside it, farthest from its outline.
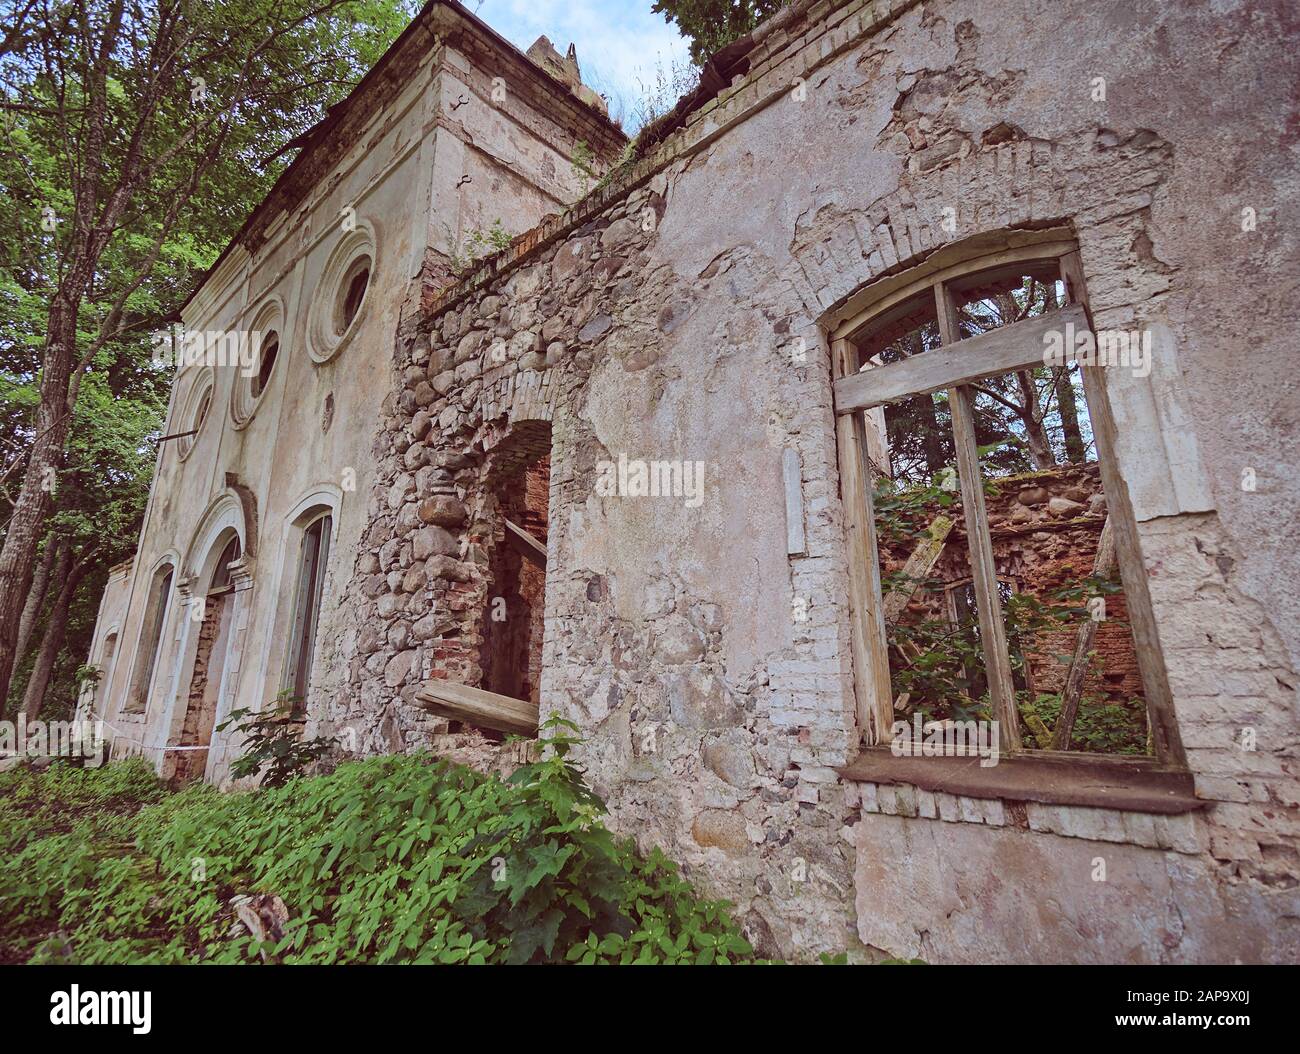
(1165, 737)
(526, 541)
(951, 261)
(1102, 564)
(476, 707)
(919, 565)
(993, 632)
(1134, 784)
(875, 706)
(1003, 350)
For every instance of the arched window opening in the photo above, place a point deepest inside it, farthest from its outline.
(987, 569)
(189, 759)
(151, 638)
(266, 362)
(107, 657)
(313, 560)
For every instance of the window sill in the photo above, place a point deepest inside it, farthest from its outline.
(484, 709)
(1132, 784)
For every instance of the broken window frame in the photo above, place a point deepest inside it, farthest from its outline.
(858, 391)
(315, 540)
(150, 644)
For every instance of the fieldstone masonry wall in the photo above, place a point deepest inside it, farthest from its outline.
(710, 672)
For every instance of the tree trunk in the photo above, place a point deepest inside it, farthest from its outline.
(88, 235)
(1040, 449)
(1075, 452)
(35, 497)
(56, 628)
(1103, 565)
(54, 551)
(931, 434)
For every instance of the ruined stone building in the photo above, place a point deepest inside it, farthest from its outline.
(662, 466)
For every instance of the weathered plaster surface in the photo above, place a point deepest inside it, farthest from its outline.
(962, 893)
(680, 317)
(663, 327)
(308, 442)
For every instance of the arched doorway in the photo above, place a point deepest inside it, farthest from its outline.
(188, 760)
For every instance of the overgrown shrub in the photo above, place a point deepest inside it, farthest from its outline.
(387, 860)
(273, 743)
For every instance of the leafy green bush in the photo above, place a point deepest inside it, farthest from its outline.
(273, 743)
(937, 662)
(387, 860)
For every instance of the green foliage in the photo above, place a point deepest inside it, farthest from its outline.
(477, 244)
(273, 743)
(1101, 727)
(387, 860)
(712, 24)
(189, 170)
(943, 675)
(661, 92)
(66, 854)
(584, 163)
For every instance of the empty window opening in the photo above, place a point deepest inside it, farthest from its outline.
(196, 419)
(354, 292)
(204, 402)
(266, 362)
(107, 660)
(313, 559)
(1000, 595)
(513, 623)
(211, 660)
(151, 637)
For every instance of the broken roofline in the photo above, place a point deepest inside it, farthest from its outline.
(732, 88)
(383, 82)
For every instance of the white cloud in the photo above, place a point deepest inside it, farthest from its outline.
(620, 43)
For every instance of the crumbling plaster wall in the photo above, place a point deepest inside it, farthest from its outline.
(682, 322)
(1162, 249)
(309, 437)
(714, 718)
(498, 158)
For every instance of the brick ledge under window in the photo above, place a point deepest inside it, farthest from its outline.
(1133, 784)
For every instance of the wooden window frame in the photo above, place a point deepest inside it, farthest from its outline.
(953, 366)
(153, 632)
(309, 590)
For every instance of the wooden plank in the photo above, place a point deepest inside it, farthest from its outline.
(946, 263)
(530, 545)
(1166, 741)
(1102, 564)
(877, 441)
(882, 694)
(1003, 350)
(867, 626)
(477, 707)
(796, 543)
(1131, 784)
(919, 565)
(993, 634)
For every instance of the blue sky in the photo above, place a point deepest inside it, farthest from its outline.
(620, 42)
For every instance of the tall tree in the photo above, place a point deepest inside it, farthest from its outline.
(132, 133)
(712, 24)
(56, 628)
